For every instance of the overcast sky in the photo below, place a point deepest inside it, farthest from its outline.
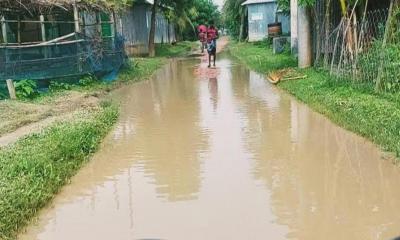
(219, 2)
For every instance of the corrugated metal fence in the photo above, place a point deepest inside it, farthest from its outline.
(135, 24)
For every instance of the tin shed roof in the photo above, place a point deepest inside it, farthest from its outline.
(257, 1)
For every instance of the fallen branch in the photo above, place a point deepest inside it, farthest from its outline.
(282, 75)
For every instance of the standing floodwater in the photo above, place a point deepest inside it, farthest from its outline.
(204, 154)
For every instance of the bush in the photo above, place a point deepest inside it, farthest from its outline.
(26, 89)
(388, 58)
(88, 80)
(59, 86)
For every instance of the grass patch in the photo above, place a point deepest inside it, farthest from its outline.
(355, 107)
(140, 68)
(34, 169)
(259, 57)
(178, 49)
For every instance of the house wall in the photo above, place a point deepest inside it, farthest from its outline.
(136, 29)
(285, 20)
(262, 14)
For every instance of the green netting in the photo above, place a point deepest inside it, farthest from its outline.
(105, 26)
(3, 91)
(83, 56)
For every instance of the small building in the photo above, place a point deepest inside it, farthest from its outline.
(135, 27)
(261, 13)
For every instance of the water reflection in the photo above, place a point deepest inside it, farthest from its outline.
(213, 87)
(168, 137)
(157, 145)
(325, 183)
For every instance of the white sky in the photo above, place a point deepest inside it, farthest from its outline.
(219, 3)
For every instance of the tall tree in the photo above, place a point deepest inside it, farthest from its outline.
(233, 14)
(152, 48)
(186, 14)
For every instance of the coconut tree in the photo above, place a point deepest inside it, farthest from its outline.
(186, 14)
(234, 17)
(173, 8)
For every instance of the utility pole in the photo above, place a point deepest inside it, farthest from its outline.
(293, 26)
(304, 37)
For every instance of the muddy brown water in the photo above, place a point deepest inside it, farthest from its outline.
(203, 154)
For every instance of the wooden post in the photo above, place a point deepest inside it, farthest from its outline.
(11, 89)
(76, 18)
(77, 30)
(113, 29)
(169, 31)
(4, 29)
(43, 30)
(121, 25)
(19, 30)
(5, 38)
(99, 26)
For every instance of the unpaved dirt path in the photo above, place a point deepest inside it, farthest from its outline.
(20, 119)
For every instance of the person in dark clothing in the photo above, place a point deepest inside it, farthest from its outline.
(212, 35)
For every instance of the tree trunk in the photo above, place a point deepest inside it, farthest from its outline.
(190, 23)
(152, 47)
(304, 38)
(327, 28)
(242, 19)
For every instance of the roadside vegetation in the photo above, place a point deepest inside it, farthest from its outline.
(259, 56)
(66, 96)
(175, 50)
(34, 169)
(187, 15)
(356, 107)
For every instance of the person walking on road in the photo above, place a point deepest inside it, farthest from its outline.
(212, 36)
(202, 37)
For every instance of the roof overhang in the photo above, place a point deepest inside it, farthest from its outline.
(248, 2)
(49, 5)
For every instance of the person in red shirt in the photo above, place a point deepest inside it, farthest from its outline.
(212, 35)
(202, 37)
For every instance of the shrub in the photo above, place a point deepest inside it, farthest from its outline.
(59, 86)
(387, 58)
(87, 80)
(26, 89)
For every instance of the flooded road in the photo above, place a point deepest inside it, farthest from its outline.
(203, 154)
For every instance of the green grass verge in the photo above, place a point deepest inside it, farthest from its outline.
(178, 49)
(258, 56)
(34, 169)
(140, 69)
(356, 108)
